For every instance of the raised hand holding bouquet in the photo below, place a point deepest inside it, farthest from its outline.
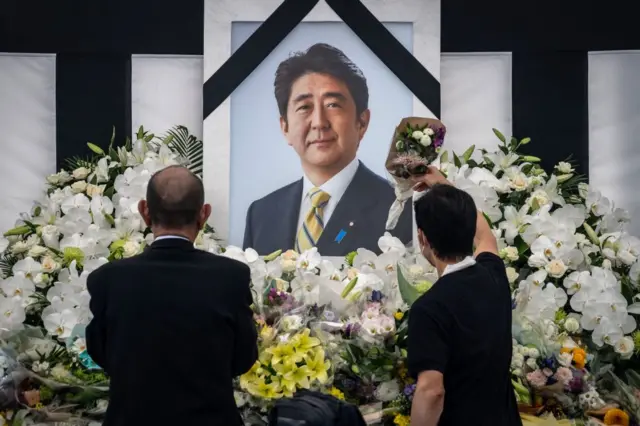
(416, 143)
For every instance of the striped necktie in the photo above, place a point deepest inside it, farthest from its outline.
(313, 225)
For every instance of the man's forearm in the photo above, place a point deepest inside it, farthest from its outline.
(426, 407)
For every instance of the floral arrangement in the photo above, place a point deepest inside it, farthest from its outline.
(417, 143)
(336, 326)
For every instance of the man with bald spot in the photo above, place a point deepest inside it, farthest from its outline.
(172, 326)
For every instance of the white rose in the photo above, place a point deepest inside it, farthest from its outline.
(606, 264)
(429, 131)
(417, 135)
(288, 265)
(37, 251)
(531, 363)
(625, 347)
(51, 236)
(565, 359)
(95, 190)
(534, 353)
(290, 255)
(510, 253)
(518, 358)
(556, 268)
(41, 280)
(292, 322)
(540, 198)
(81, 173)
(58, 178)
(512, 275)
(79, 186)
(571, 325)
(49, 265)
(583, 190)
(20, 247)
(626, 257)
(425, 140)
(564, 167)
(131, 248)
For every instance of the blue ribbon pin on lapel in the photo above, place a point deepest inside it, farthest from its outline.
(342, 234)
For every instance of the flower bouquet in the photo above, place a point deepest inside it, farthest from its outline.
(416, 143)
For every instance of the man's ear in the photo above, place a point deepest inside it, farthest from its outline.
(143, 209)
(363, 123)
(284, 126)
(204, 215)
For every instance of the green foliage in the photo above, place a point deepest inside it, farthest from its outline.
(187, 146)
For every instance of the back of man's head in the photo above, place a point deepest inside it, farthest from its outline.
(447, 217)
(175, 197)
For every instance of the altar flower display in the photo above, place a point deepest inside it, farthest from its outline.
(337, 326)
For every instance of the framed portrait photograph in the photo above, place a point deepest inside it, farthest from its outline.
(308, 134)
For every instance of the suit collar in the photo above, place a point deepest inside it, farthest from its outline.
(337, 185)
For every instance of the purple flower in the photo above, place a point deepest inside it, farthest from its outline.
(409, 390)
(376, 296)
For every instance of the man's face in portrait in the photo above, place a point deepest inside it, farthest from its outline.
(322, 124)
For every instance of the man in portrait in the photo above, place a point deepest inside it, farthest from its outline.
(339, 205)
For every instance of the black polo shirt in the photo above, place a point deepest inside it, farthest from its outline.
(461, 327)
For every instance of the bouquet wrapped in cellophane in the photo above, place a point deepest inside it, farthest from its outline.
(416, 143)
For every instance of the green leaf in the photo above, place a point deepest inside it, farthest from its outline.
(113, 137)
(468, 153)
(19, 230)
(187, 146)
(349, 287)
(113, 154)
(95, 148)
(109, 192)
(444, 157)
(272, 256)
(408, 291)
(456, 160)
(499, 135)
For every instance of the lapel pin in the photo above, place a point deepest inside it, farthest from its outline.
(350, 223)
(340, 236)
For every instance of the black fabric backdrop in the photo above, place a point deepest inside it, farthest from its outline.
(94, 42)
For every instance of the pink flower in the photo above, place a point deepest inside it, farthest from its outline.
(548, 372)
(564, 375)
(537, 378)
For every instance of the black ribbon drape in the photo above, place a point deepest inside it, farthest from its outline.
(286, 17)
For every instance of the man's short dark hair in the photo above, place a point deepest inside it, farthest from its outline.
(320, 58)
(447, 216)
(174, 197)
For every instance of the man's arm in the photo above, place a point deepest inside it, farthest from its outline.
(246, 337)
(428, 399)
(96, 331)
(428, 357)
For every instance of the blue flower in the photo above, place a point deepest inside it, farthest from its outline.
(86, 360)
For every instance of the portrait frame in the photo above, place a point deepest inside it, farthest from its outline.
(424, 15)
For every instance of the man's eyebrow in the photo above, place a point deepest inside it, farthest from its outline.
(302, 97)
(336, 95)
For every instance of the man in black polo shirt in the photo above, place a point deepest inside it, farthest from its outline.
(460, 330)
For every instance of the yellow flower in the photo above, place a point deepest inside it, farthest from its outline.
(292, 376)
(280, 352)
(267, 333)
(303, 342)
(399, 315)
(337, 393)
(401, 420)
(262, 389)
(318, 366)
(616, 417)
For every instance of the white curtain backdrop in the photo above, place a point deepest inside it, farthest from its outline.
(28, 142)
(476, 96)
(166, 91)
(614, 128)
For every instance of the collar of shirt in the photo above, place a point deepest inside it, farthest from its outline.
(463, 264)
(167, 237)
(335, 187)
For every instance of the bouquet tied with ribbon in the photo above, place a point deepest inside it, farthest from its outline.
(416, 143)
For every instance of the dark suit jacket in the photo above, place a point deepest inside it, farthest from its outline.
(273, 220)
(172, 327)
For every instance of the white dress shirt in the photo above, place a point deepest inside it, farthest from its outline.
(169, 237)
(335, 187)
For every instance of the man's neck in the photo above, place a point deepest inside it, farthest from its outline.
(441, 264)
(318, 176)
(164, 232)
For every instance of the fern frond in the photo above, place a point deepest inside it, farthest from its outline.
(77, 162)
(187, 146)
(7, 261)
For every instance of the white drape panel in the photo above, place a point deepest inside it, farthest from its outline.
(166, 91)
(476, 96)
(614, 128)
(28, 123)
